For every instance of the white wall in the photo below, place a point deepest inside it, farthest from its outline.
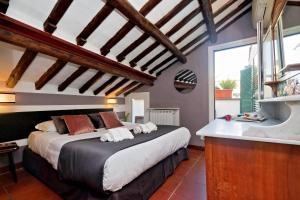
(138, 95)
(227, 107)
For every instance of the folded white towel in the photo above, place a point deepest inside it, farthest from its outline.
(151, 126)
(145, 128)
(137, 129)
(106, 137)
(116, 135)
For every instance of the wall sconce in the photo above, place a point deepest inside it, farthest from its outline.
(112, 101)
(7, 97)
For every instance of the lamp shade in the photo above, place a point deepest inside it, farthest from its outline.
(112, 101)
(7, 98)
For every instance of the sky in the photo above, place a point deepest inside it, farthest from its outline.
(229, 62)
(292, 49)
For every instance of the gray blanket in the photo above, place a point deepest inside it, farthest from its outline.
(83, 161)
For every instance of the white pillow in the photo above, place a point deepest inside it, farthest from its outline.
(47, 126)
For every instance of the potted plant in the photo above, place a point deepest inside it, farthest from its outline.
(227, 88)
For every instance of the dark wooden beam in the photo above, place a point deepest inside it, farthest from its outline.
(145, 66)
(190, 44)
(127, 27)
(178, 26)
(159, 24)
(188, 33)
(105, 85)
(224, 20)
(56, 14)
(151, 71)
(72, 78)
(124, 89)
(91, 82)
(4, 6)
(94, 23)
(209, 19)
(139, 20)
(133, 89)
(20, 34)
(117, 86)
(49, 74)
(293, 3)
(21, 67)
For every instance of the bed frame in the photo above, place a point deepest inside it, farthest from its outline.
(19, 125)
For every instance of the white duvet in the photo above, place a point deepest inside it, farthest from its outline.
(122, 167)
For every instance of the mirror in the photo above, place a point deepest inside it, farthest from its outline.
(185, 81)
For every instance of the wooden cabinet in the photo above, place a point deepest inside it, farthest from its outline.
(249, 170)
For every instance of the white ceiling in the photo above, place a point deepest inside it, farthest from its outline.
(78, 15)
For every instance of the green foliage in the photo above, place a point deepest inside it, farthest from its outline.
(228, 84)
(126, 117)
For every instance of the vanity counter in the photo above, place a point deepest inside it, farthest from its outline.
(221, 128)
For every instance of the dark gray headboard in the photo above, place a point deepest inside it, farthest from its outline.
(19, 125)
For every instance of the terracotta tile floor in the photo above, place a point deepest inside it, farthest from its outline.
(187, 183)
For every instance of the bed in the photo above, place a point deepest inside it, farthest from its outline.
(83, 167)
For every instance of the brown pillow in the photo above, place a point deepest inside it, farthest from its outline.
(110, 119)
(60, 124)
(78, 124)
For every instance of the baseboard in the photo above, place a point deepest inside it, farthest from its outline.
(5, 169)
(190, 146)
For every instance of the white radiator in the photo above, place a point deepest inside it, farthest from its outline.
(164, 116)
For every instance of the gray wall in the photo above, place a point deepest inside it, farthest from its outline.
(194, 106)
(45, 100)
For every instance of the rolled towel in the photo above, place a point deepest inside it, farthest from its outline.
(137, 130)
(145, 129)
(151, 126)
(106, 137)
(119, 134)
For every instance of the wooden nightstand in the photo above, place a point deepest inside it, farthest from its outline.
(9, 148)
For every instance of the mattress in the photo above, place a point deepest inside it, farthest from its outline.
(120, 168)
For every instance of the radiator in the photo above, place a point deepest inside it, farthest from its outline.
(164, 116)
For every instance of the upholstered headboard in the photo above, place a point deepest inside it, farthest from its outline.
(19, 125)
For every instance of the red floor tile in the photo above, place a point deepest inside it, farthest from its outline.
(161, 194)
(187, 183)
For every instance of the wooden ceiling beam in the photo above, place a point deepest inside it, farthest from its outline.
(18, 33)
(49, 74)
(4, 6)
(105, 85)
(23, 64)
(182, 49)
(133, 89)
(91, 82)
(151, 71)
(293, 3)
(224, 20)
(159, 24)
(50, 25)
(124, 89)
(188, 33)
(56, 14)
(139, 20)
(94, 23)
(117, 86)
(209, 19)
(178, 26)
(72, 78)
(105, 49)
